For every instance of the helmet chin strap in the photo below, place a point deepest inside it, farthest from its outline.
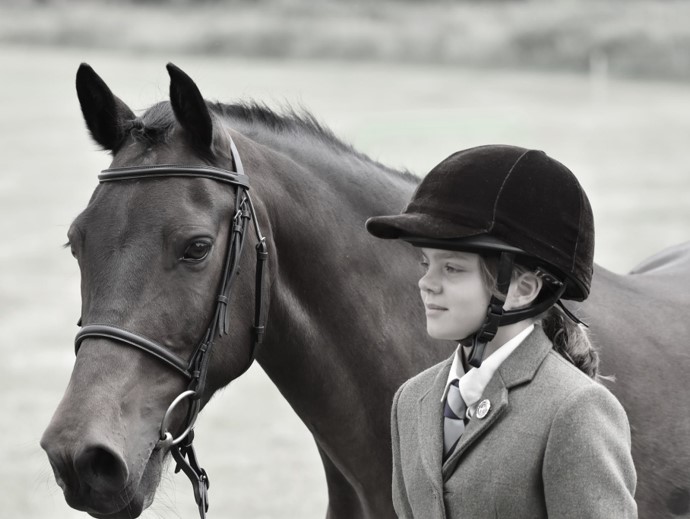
(495, 311)
(497, 316)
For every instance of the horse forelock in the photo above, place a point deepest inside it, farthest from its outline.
(154, 126)
(157, 126)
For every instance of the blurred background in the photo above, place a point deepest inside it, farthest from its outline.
(602, 85)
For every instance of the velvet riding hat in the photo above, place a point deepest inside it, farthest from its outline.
(501, 197)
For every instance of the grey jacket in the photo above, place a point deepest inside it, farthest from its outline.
(554, 443)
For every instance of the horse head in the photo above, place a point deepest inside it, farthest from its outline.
(152, 254)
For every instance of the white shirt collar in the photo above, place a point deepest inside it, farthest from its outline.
(473, 383)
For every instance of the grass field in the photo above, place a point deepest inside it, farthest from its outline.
(626, 140)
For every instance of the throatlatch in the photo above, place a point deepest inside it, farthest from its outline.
(196, 367)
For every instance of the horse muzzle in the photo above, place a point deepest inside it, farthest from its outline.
(94, 474)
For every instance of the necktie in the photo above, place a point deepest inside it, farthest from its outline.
(453, 417)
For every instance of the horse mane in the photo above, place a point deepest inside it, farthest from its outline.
(155, 126)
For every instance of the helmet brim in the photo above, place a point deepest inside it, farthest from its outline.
(427, 231)
(480, 244)
(414, 224)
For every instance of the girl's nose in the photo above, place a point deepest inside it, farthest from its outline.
(429, 283)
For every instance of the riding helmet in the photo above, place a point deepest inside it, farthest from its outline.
(503, 198)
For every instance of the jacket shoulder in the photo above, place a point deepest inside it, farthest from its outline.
(570, 385)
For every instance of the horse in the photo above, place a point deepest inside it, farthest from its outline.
(344, 324)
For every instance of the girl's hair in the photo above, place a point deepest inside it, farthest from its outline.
(569, 339)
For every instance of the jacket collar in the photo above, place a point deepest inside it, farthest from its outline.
(519, 368)
(522, 365)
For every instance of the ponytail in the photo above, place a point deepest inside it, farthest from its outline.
(571, 341)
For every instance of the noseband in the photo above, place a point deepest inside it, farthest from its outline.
(195, 369)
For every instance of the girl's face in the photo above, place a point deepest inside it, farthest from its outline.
(454, 294)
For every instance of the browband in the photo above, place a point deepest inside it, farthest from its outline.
(174, 170)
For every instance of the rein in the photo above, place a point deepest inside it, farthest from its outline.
(195, 369)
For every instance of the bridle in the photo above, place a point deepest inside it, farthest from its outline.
(196, 367)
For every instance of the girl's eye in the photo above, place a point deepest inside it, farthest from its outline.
(452, 269)
(424, 264)
(197, 251)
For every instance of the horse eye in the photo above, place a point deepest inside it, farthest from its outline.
(197, 251)
(69, 245)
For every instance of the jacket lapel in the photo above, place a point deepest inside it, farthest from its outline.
(497, 394)
(430, 426)
(519, 368)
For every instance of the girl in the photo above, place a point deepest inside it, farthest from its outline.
(515, 423)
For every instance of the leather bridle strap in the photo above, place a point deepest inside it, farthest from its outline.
(259, 328)
(196, 368)
(105, 331)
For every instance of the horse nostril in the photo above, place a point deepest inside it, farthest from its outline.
(102, 469)
(59, 471)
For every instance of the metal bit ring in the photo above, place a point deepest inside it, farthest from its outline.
(164, 433)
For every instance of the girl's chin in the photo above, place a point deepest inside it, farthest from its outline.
(441, 335)
(461, 336)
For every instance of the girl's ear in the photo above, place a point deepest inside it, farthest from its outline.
(523, 291)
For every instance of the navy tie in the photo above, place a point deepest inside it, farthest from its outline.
(453, 417)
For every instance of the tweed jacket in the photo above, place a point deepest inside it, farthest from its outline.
(554, 444)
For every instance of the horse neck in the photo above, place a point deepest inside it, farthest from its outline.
(337, 293)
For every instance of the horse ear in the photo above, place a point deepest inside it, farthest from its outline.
(104, 113)
(189, 107)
